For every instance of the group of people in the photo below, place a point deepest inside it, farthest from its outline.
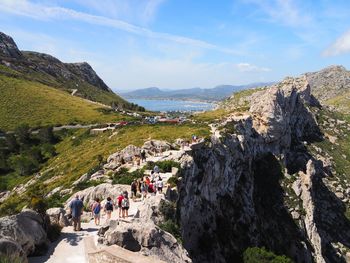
(121, 203)
(152, 184)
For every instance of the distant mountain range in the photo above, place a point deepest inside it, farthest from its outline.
(214, 94)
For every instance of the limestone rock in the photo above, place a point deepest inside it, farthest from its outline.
(153, 146)
(27, 229)
(101, 191)
(126, 155)
(57, 216)
(10, 248)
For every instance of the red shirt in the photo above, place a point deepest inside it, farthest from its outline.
(120, 198)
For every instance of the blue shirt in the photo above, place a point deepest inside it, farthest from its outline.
(76, 206)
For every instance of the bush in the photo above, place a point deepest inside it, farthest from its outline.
(171, 227)
(23, 165)
(54, 200)
(167, 209)
(86, 184)
(173, 181)
(261, 255)
(164, 166)
(124, 177)
(38, 204)
(53, 232)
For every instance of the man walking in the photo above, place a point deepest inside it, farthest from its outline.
(76, 208)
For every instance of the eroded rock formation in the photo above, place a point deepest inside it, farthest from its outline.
(231, 196)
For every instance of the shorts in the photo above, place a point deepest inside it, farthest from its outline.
(125, 208)
(97, 216)
(160, 188)
(109, 212)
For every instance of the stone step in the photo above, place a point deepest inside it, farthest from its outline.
(113, 254)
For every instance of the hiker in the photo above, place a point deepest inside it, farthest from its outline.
(151, 188)
(160, 185)
(152, 176)
(76, 208)
(96, 210)
(125, 206)
(109, 208)
(119, 203)
(143, 190)
(194, 138)
(143, 156)
(133, 189)
(156, 169)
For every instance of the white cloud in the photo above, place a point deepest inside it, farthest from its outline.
(246, 67)
(37, 11)
(283, 11)
(340, 46)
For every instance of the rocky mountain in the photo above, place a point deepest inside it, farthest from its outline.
(46, 69)
(214, 94)
(257, 182)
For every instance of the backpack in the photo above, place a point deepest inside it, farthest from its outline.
(97, 209)
(109, 206)
(125, 202)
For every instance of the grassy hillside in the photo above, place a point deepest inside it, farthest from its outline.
(24, 101)
(78, 153)
(341, 103)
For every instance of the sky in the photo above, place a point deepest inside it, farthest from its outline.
(175, 44)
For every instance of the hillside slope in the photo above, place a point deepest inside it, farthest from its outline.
(50, 71)
(24, 101)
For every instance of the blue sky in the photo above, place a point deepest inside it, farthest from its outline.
(183, 44)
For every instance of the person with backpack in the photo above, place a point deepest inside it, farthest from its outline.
(125, 206)
(143, 190)
(109, 208)
(119, 203)
(96, 211)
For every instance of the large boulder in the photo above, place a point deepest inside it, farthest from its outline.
(126, 155)
(154, 146)
(142, 234)
(27, 229)
(101, 191)
(57, 216)
(11, 250)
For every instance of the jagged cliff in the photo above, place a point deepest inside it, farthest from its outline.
(233, 195)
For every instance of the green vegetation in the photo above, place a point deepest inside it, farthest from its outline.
(79, 152)
(124, 177)
(10, 259)
(164, 166)
(168, 210)
(261, 255)
(341, 103)
(24, 101)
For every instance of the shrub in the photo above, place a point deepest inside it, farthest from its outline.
(173, 181)
(171, 227)
(23, 164)
(164, 166)
(86, 184)
(38, 204)
(124, 177)
(167, 209)
(54, 200)
(53, 232)
(261, 255)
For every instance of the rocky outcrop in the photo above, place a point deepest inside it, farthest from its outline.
(230, 193)
(101, 191)
(26, 230)
(143, 235)
(117, 159)
(58, 216)
(154, 146)
(11, 249)
(8, 47)
(329, 82)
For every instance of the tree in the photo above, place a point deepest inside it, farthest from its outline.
(11, 143)
(48, 150)
(23, 164)
(35, 154)
(23, 134)
(46, 135)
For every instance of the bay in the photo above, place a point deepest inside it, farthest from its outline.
(173, 105)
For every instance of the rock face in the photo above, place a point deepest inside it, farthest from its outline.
(24, 233)
(231, 196)
(8, 47)
(144, 236)
(329, 82)
(57, 216)
(126, 155)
